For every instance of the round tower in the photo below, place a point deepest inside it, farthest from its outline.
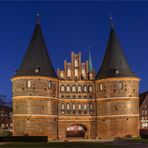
(34, 89)
(117, 94)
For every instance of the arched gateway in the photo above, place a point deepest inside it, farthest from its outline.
(76, 130)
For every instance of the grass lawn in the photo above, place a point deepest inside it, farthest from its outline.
(57, 145)
(138, 140)
(122, 143)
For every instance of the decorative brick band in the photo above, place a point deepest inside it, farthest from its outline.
(34, 97)
(77, 100)
(112, 116)
(33, 77)
(36, 115)
(116, 98)
(75, 81)
(76, 118)
(118, 78)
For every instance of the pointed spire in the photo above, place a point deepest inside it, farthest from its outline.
(90, 65)
(114, 63)
(36, 61)
(38, 18)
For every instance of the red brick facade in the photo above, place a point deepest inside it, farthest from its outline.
(107, 108)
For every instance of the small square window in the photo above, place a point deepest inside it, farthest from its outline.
(37, 70)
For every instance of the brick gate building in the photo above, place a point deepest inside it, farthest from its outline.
(76, 102)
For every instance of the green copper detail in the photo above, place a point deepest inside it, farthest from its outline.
(90, 65)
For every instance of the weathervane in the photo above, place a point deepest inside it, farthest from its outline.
(38, 16)
(111, 20)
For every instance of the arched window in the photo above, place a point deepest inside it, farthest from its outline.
(85, 106)
(79, 89)
(101, 86)
(76, 73)
(74, 89)
(63, 107)
(49, 84)
(29, 83)
(76, 63)
(68, 106)
(83, 73)
(85, 88)
(69, 72)
(90, 88)
(74, 106)
(79, 107)
(90, 106)
(68, 89)
(62, 88)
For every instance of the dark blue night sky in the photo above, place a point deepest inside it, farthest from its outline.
(73, 26)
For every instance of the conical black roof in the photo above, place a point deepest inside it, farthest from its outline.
(114, 63)
(36, 61)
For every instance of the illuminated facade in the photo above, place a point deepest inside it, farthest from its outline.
(76, 103)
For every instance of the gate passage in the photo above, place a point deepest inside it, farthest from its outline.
(75, 130)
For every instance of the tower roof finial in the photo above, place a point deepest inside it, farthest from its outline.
(38, 18)
(111, 20)
(90, 65)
